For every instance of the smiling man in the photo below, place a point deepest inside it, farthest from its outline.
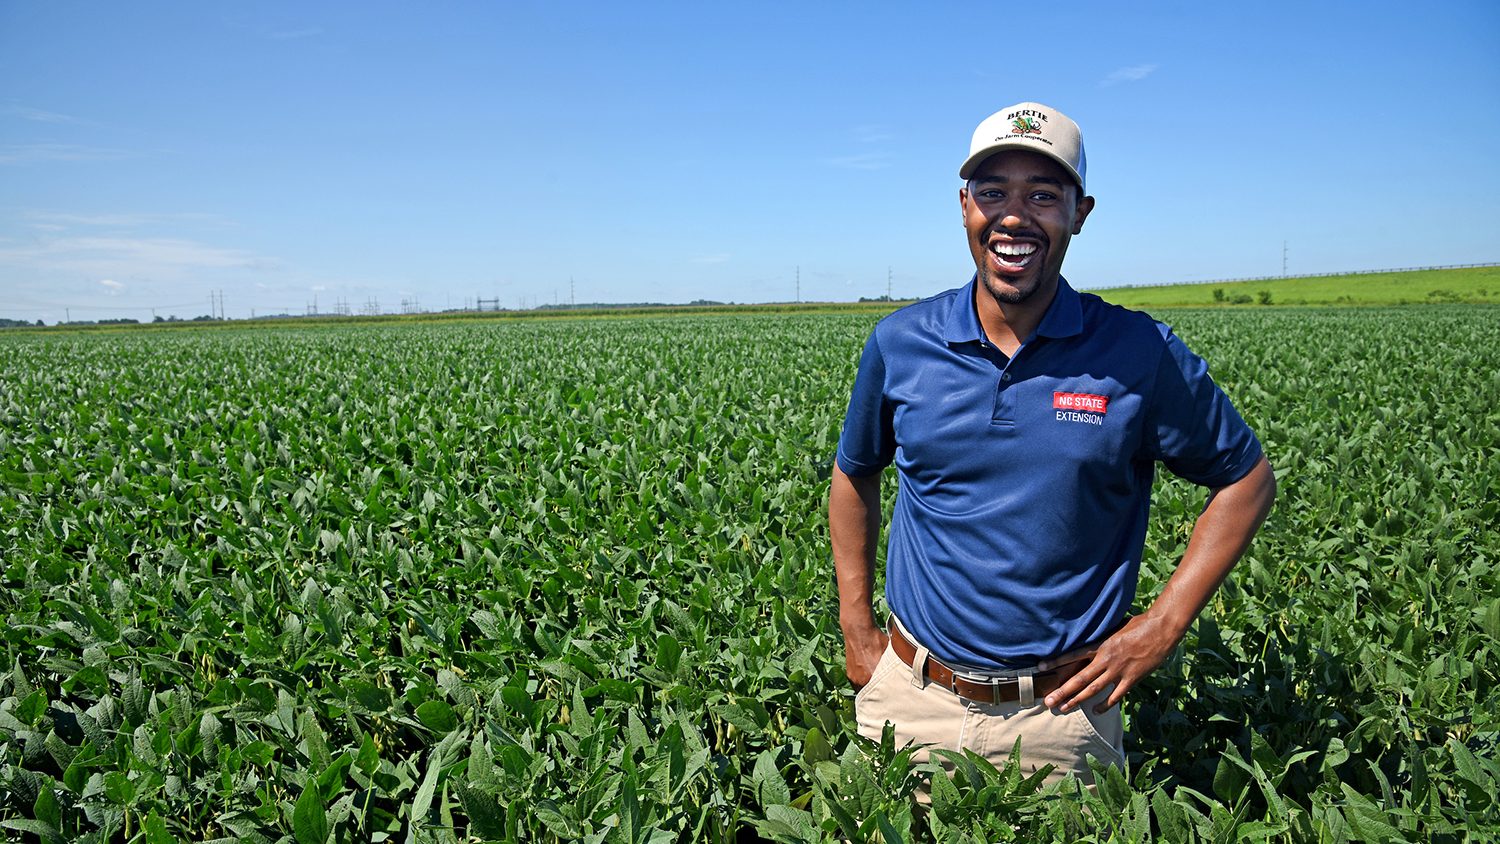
(1025, 421)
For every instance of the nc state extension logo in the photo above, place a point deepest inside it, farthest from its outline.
(1025, 126)
(1080, 407)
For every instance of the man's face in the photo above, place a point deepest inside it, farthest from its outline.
(1020, 210)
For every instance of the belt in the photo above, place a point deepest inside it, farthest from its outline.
(979, 688)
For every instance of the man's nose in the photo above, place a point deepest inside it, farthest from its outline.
(1011, 221)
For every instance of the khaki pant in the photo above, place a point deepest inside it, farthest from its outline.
(924, 713)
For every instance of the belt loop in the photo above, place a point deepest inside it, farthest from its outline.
(1027, 690)
(919, 667)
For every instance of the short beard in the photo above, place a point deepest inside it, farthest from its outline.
(1006, 298)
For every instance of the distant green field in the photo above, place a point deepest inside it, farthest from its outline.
(556, 580)
(1474, 284)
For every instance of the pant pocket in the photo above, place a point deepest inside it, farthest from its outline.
(869, 712)
(1106, 729)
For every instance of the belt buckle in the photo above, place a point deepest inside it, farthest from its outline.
(993, 682)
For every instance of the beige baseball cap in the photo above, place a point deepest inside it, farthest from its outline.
(1028, 126)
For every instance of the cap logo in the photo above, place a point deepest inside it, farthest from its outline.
(1025, 126)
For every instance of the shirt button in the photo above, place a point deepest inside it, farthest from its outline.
(1005, 376)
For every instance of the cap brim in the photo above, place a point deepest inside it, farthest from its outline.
(966, 172)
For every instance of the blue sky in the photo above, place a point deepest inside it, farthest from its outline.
(282, 153)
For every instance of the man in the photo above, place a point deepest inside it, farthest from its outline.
(1025, 420)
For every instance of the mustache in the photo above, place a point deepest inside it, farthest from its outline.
(1026, 233)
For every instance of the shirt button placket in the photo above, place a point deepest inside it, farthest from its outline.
(1003, 407)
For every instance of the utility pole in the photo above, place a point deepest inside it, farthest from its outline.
(888, 284)
(572, 294)
(799, 282)
(1283, 258)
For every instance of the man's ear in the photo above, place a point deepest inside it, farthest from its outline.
(1085, 205)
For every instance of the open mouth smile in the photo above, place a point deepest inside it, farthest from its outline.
(1011, 255)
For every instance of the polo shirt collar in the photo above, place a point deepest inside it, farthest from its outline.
(1064, 317)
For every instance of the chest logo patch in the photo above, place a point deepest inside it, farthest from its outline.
(1080, 407)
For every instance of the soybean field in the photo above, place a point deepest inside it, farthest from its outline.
(569, 580)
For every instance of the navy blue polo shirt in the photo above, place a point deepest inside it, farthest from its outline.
(1025, 482)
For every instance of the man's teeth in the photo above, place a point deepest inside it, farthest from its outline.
(1013, 254)
(1014, 248)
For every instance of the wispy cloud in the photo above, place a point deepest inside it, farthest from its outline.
(287, 34)
(720, 258)
(1132, 73)
(861, 161)
(57, 219)
(114, 286)
(35, 153)
(37, 115)
(130, 256)
(873, 133)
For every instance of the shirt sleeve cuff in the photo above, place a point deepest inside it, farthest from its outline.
(854, 468)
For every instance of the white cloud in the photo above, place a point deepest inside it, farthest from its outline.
(1132, 73)
(49, 219)
(38, 115)
(113, 285)
(129, 256)
(34, 153)
(861, 161)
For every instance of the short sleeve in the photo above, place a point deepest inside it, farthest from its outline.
(868, 441)
(1196, 432)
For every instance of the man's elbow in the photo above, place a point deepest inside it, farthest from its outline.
(1255, 491)
(1259, 486)
(1268, 481)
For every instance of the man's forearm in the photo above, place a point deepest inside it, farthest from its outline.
(1222, 533)
(1220, 536)
(854, 529)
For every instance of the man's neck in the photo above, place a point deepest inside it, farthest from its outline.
(1007, 325)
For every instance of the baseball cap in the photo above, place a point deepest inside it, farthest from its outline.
(1029, 126)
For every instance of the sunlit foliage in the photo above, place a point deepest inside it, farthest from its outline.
(570, 581)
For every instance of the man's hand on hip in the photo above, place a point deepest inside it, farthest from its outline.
(862, 650)
(1121, 660)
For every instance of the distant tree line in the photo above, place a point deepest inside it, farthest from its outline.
(696, 303)
(21, 323)
(1261, 296)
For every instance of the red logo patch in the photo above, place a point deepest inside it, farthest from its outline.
(1085, 402)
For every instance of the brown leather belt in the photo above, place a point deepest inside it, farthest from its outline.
(996, 690)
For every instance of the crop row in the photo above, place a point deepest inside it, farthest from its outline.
(570, 580)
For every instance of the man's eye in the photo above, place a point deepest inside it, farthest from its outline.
(991, 196)
(1043, 196)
